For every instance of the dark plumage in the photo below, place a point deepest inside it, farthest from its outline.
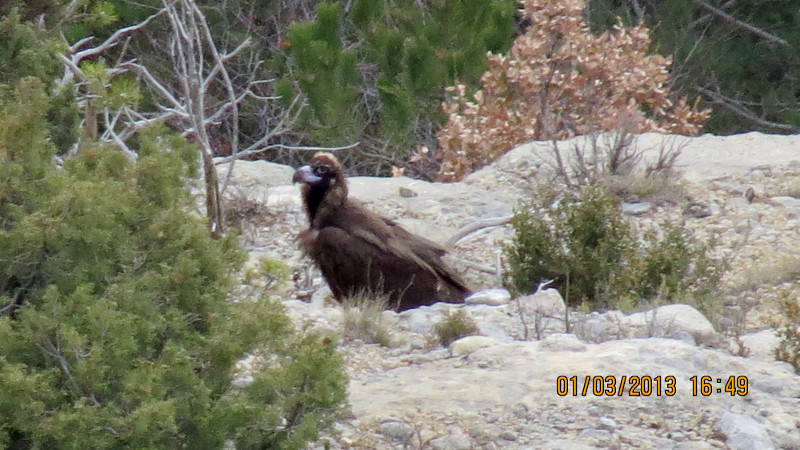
(359, 251)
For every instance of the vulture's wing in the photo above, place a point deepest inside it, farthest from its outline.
(352, 261)
(429, 252)
(356, 249)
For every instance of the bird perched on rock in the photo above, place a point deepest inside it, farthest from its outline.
(359, 251)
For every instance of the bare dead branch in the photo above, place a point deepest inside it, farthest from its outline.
(478, 266)
(154, 83)
(184, 101)
(706, 17)
(737, 108)
(561, 168)
(110, 135)
(742, 24)
(112, 41)
(222, 59)
(637, 9)
(477, 225)
(71, 69)
(74, 47)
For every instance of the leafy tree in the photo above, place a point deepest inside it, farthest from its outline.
(31, 9)
(558, 80)
(115, 331)
(368, 71)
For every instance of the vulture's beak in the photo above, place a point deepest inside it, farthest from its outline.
(305, 175)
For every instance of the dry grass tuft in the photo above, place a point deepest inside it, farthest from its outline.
(364, 319)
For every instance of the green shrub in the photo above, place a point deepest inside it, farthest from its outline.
(586, 245)
(115, 331)
(580, 243)
(455, 326)
(676, 263)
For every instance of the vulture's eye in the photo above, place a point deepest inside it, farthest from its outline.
(321, 170)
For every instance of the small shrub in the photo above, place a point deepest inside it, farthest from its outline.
(266, 276)
(789, 334)
(272, 272)
(587, 247)
(364, 319)
(580, 243)
(676, 261)
(455, 326)
(658, 189)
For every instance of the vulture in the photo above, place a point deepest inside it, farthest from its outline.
(361, 252)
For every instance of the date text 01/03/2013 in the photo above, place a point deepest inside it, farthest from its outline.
(645, 385)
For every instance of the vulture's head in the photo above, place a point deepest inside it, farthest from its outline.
(323, 183)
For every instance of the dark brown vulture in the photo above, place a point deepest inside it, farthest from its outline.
(359, 251)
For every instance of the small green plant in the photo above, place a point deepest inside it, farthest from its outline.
(266, 276)
(579, 243)
(364, 319)
(454, 326)
(587, 247)
(270, 272)
(789, 334)
(675, 261)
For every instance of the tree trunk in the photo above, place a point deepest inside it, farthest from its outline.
(213, 204)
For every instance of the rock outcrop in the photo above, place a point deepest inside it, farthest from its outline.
(503, 389)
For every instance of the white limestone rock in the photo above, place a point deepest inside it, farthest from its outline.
(744, 433)
(543, 303)
(470, 344)
(491, 297)
(677, 321)
(562, 342)
(670, 321)
(248, 174)
(456, 439)
(761, 344)
(420, 320)
(636, 209)
(397, 430)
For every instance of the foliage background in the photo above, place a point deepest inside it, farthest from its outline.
(717, 57)
(374, 72)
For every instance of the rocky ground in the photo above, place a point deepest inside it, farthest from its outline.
(499, 390)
